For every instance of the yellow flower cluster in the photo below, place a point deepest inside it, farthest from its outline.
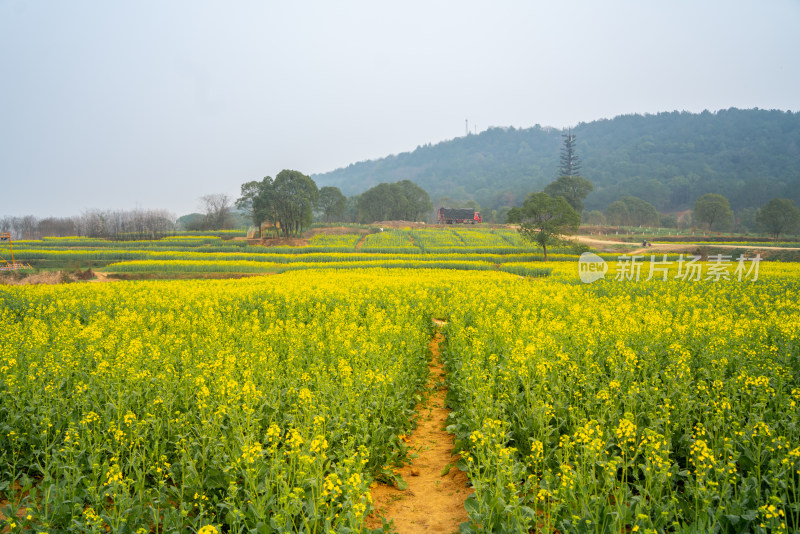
(640, 395)
(257, 386)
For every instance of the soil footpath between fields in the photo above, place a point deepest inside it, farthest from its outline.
(434, 498)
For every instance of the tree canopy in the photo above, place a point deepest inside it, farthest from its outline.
(514, 215)
(594, 217)
(779, 216)
(403, 200)
(288, 200)
(631, 211)
(546, 220)
(712, 209)
(573, 188)
(249, 191)
(331, 203)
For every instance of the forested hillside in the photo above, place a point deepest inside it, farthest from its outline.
(668, 159)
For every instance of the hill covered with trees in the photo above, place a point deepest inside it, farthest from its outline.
(667, 159)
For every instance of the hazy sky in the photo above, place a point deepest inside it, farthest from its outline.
(152, 104)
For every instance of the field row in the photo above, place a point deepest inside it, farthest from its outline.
(462, 249)
(419, 239)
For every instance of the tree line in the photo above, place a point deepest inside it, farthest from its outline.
(290, 200)
(108, 224)
(711, 211)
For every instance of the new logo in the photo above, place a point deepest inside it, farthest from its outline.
(591, 267)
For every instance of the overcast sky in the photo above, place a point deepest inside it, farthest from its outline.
(152, 104)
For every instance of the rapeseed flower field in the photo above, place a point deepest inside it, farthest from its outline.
(651, 406)
(271, 404)
(176, 405)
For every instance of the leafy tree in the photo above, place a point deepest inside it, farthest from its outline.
(514, 215)
(288, 200)
(257, 200)
(351, 209)
(546, 220)
(377, 204)
(779, 216)
(331, 203)
(712, 208)
(573, 188)
(402, 200)
(500, 215)
(595, 217)
(244, 203)
(617, 213)
(264, 203)
(668, 220)
(640, 212)
(632, 211)
(418, 202)
(294, 198)
(746, 220)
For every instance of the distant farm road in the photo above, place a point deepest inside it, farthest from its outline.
(669, 247)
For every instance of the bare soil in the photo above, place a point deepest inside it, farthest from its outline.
(20, 515)
(64, 277)
(100, 277)
(21, 511)
(434, 498)
(49, 277)
(280, 242)
(605, 244)
(686, 248)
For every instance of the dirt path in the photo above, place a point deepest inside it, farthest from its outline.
(100, 277)
(433, 501)
(671, 247)
(597, 242)
(361, 243)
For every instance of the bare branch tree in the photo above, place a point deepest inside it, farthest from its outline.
(217, 211)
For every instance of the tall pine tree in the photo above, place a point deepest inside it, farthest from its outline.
(570, 184)
(570, 162)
